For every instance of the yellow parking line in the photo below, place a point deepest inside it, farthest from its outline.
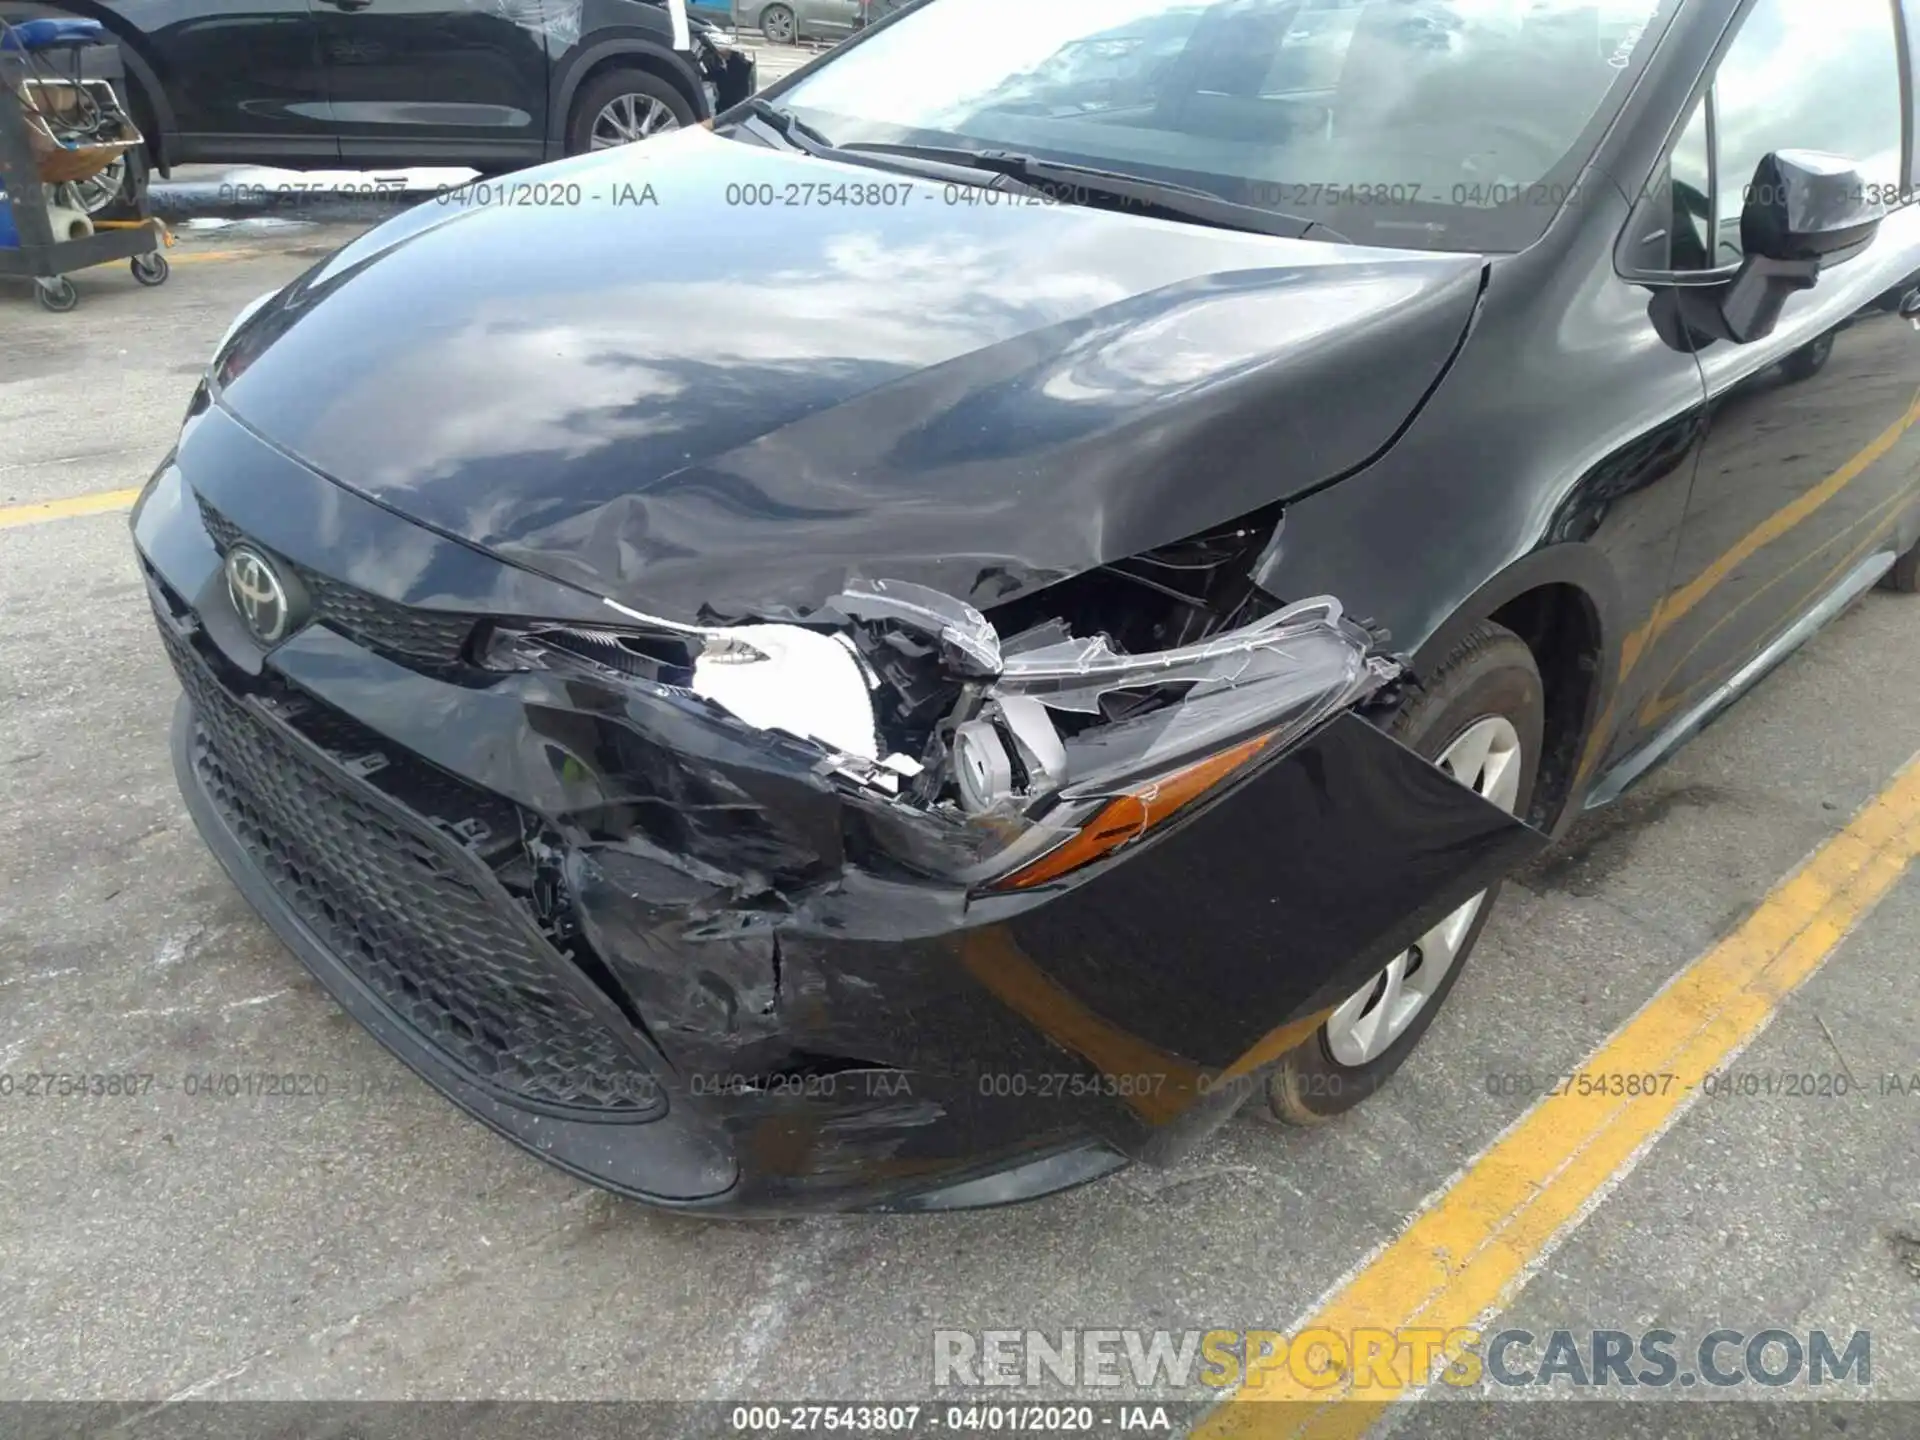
(1464, 1257)
(201, 257)
(98, 504)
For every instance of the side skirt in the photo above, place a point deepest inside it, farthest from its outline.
(1630, 771)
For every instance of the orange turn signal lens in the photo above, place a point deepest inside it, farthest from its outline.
(1125, 818)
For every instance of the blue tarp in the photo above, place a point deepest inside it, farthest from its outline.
(48, 34)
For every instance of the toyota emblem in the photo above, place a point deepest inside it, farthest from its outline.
(257, 594)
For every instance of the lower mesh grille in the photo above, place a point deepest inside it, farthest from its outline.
(402, 909)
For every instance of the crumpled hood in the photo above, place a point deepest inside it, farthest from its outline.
(626, 374)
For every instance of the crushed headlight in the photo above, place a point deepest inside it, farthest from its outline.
(786, 677)
(1127, 817)
(1037, 757)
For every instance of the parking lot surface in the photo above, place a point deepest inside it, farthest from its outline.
(192, 1240)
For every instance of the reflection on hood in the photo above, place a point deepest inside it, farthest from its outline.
(748, 399)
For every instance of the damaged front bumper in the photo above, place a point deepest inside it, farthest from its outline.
(669, 908)
(728, 72)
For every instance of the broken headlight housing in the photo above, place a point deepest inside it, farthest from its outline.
(1050, 751)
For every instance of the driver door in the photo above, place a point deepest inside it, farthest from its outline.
(1812, 450)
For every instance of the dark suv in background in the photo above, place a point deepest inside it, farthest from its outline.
(492, 85)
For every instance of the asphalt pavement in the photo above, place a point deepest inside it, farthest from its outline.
(194, 1240)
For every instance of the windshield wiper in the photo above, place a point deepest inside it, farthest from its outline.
(805, 138)
(1064, 181)
(788, 126)
(1059, 179)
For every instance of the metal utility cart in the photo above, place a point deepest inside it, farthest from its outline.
(57, 130)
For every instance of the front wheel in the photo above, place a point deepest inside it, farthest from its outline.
(623, 106)
(1480, 717)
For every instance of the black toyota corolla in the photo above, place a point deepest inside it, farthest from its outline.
(1021, 592)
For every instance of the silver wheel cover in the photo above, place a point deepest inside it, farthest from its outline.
(1486, 758)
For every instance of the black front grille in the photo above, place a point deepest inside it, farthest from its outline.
(225, 533)
(434, 638)
(430, 636)
(420, 922)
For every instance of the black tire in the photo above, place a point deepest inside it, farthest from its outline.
(1905, 574)
(603, 89)
(57, 294)
(1490, 672)
(150, 269)
(1810, 359)
(779, 18)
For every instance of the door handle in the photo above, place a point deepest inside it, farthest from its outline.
(348, 4)
(1910, 307)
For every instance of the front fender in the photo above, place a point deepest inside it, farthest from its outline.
(1579, 566)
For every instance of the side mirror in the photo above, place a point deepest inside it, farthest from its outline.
(1803, 210)
(1806, 205)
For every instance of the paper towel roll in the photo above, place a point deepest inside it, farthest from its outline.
(68, 224)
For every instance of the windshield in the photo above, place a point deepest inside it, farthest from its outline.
(1438, 124)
